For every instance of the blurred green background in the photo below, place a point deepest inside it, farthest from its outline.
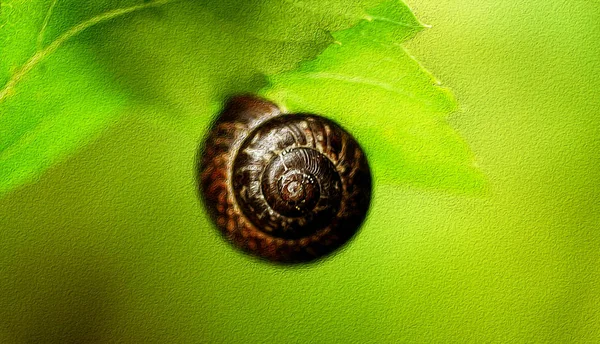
(113, 244)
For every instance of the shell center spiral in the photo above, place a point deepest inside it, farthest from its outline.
(298, 191)
(283, 183)
(296, 187)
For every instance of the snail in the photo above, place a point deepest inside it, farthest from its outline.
(288, 188)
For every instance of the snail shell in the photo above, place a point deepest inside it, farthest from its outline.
(287, 188)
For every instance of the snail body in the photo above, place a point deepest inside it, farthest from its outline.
(286, 187)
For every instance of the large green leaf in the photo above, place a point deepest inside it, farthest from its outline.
(69, 69)
(372, 86)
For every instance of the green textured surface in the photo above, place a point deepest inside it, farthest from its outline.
(398, 111)
(112, 245)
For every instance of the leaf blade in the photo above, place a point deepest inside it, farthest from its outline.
(397, 110)
(57, 100)
(59, 122)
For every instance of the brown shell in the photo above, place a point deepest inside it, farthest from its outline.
(288, 188)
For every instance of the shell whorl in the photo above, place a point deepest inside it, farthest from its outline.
(288, 188)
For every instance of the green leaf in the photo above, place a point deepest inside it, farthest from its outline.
(68, 69)
(367, 82)
(55, 96)
(213, 49)
(64, 78)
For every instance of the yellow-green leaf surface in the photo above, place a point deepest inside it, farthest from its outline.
(372, 86)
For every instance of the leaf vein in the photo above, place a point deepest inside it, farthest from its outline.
(40, 38)
(361, 81)
(40, 55)
(394, 22)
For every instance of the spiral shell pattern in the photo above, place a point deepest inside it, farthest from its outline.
(286, 187)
